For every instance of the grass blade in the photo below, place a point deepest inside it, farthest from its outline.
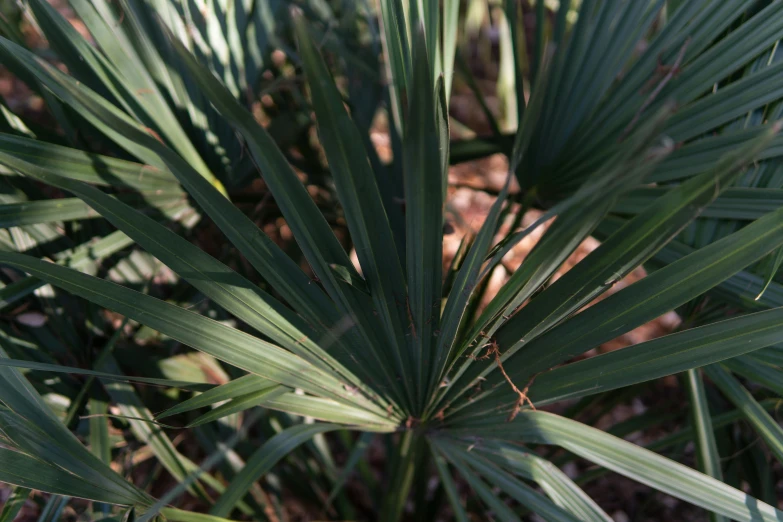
(217, 281)
(18, 394)
(498, 508)
(660, 357)
(230, 390)
(424, 175)
(460, 514)
(31, 365)
(556, 484)
(515, 488)
(241, 403)
(706, 447)
(395, 39)
(14, 504)
(262, 461)
(24, 471)
(312, 232)
(763, 422)
(360, 198)
(357, 453)
(461, 291)
(88, 167)
(654, 295)
(629, 460)
(212, 337)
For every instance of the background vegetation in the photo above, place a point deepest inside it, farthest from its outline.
(223, 300)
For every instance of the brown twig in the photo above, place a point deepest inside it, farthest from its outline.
(522, 394)
(489, 351)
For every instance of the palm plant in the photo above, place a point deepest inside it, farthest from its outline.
(395, 347)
